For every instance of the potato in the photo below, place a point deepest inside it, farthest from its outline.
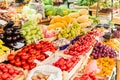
(34, 78)
(42, 79)
(41, 76)
(46, 77)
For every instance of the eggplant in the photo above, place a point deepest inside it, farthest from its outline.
(9, 25)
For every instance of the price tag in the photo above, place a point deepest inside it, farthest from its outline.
(48, 53)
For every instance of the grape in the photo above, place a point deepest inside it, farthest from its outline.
(116, 34)
(31, 32)
(71, 32)
(101, 50)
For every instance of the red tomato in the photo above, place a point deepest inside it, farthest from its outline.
(30, 60)
(63, 67)
(32, 65)
(25, 57)
(38, 46)
(4, 76)
(11, 71)
(19, 54)
(5, 70)
(26, 66)
(23, 62)
(12, 62)
(11, 57)
(17, 58)
(42, 57)
(18, 63)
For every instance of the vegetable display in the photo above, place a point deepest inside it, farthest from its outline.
(25, 57)
(13, 36)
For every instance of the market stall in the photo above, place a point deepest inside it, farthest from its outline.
(40, 40)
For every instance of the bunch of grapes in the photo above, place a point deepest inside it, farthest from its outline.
(71, 32)
(31, 32)
(101, 51)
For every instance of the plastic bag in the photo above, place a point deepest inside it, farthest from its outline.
(53, 72)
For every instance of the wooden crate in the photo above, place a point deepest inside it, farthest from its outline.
(79, 65)
(4, 57)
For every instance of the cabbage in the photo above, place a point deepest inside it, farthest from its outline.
(59, 11)
(49, 10)
(30, 14)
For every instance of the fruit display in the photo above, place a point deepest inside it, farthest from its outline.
(90, 76)
(3, 49)
(116, 34)
(8, 72)
(106, 65)
(31, 31)
(40, 77)
(12, 36)
(81, 46)
(72, 32)
(101, 51)
(25, 57)
(60, 22)
(52, 40)
(66, 64)
(113, 43)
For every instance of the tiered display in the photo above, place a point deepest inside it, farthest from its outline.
(65, 44)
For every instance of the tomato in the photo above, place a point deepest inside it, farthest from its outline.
(63, 67)
(9, 66)
(61, 61)
(38, 46)
(25, 57)
(17, 58)
(11, 57)
(12, 62)
(23, 62)
(4, 76)
(19, 54)
(5, 70)
(39, 57)
(69, 65)
(11, 71)
(42, 57)
(18, 63)
(30, 60)
(32, 65)
(26, 66)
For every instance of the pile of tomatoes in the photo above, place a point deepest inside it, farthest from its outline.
(25, 58)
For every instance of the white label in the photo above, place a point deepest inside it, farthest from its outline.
(48, 53)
